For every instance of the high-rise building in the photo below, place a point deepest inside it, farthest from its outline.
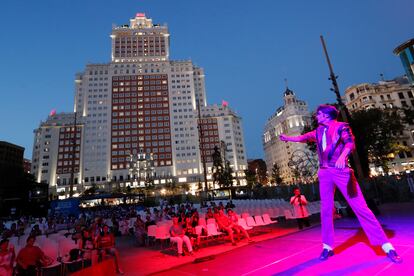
(142, 103)
(57, 151)
(406, 53)
(397, 93)
(222, 127)
(290, 119)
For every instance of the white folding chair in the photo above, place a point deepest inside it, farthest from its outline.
(202, 222)
(267, 220)
(211, 221)
(250, 221)
(259, 221)
(212, 230)
(151, 231)
(242, 223)
(51, 249)
(245, 215)
(288, 214)
(162, 234)
(65, 246)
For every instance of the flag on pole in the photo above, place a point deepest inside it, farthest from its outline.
(224, 103)
(52, 112)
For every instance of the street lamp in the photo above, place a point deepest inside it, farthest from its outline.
(342, 108)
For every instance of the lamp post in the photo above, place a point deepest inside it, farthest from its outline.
(342, 108)
(72, 169)
(202, 155)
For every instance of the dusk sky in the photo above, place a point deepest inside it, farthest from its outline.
(247, 49)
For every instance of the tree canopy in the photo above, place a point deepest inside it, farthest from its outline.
(222, 173)
(376, 133)
(276, 175)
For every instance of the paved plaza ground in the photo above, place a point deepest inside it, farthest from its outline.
(281, 249)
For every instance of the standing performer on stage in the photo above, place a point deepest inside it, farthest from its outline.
(335, 142)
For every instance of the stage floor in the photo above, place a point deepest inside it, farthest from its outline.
(297, 253)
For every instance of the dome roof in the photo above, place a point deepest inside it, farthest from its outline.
(288, 92)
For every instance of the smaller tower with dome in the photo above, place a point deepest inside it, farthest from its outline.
(290, 119)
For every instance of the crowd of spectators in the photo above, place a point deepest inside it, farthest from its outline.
(94, 231)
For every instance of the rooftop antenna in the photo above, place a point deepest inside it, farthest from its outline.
(286, 82)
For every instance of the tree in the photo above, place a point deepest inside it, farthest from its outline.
(259, 167)
(276, 175)
(222, 174)
(376, 137)
(92, 190)
(217, 169)
(250, 179)
(185, 187)
(200, 186)
(227, 177)
(408, 117)
(172, 187)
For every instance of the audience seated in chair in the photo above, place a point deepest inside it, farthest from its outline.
(191, 232)
(7, 256)
(209, 214)
(87, 247)
(226, 224)
(140, 232)
(106, 245)
(178, 236)
(30, 258)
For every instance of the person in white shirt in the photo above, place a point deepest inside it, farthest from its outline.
(299, 203)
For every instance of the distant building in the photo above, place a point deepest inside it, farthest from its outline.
(386, 94)
(57, 151)
(222, 124)
(289, 119)
(406, 53)
(11, 156)
(16, 186)
(27, 165)
(140, 103)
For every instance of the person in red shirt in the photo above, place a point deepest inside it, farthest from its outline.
(106, 245)
(227, 224)
(235, 219)
(209, 214)
(6, 258)
(30, 257)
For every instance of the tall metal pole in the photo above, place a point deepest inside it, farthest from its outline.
(72, 171)
(342, 108)
(201, 146)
